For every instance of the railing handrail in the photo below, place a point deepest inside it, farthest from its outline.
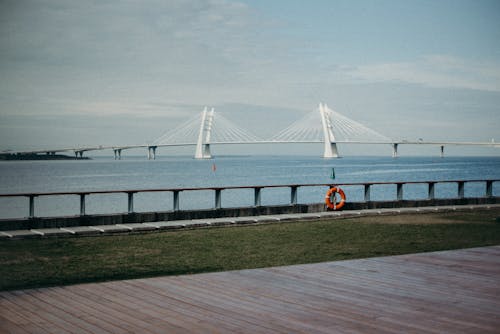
(257, 192)
(90, 192)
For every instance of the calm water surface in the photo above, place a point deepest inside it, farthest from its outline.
(169, 172)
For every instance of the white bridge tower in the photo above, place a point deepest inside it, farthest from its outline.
(203, 143)
(330, 150)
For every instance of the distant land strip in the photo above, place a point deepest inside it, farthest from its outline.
(35, 156)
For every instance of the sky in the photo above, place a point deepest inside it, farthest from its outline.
(78, 73)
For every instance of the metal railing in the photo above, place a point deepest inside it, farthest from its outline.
(367, 186)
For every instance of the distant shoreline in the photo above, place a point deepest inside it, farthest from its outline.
(34, 156)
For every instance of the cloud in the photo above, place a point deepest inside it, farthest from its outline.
(58, 32)
(138, 61)
(440, 71)
(129, 60)
(109, 57)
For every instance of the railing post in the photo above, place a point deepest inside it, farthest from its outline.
(461, 192)
(367, 192)
(431, 192)
(257, 198)
(176, 200)
(130, 202)
(293, 195)
(32, 206)
(218, 198)
(489, 188)
(82, 204)
(399, 191)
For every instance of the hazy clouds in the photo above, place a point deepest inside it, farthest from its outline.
(84, 67)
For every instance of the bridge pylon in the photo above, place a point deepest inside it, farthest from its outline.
(330, 150)
(203, 143)
(395, 150)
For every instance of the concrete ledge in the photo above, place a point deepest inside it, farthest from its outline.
(219, 222)
(166, 219)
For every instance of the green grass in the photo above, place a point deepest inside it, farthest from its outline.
(60, 261)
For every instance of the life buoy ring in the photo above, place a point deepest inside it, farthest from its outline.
(331, 203)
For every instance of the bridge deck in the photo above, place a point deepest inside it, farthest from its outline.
(441, 292)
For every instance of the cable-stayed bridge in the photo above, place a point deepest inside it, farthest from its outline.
(326, 126)
(323, 125)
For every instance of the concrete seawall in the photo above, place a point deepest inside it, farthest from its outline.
(143, 217)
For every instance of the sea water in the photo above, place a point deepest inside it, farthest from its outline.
(104, 173)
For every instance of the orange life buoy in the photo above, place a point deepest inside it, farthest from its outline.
(332, 204)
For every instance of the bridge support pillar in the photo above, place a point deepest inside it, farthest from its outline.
(203, 152)
(442, 151)
(330, 150)
(395, 150)
(206, 151)
(152, 152)
(118, 154)
(203, 144)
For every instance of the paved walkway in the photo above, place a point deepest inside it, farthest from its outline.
(441, 292)
(179, 224)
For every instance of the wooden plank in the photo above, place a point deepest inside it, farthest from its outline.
(24, 305)
(130, 312)
(186, 306)
(54, 313)
(8, 326)
(76, 308)
(441, 292)
(11, 308)
(360, 306)
(171, 309)
(296, 312)
(109, 311)
(299, 301)
(433, 300)
(237, 310)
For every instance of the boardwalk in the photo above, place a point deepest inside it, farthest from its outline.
(441, 292)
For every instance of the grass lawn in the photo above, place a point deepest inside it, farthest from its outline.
(69, 260)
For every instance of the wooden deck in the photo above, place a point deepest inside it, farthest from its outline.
(442, 292)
